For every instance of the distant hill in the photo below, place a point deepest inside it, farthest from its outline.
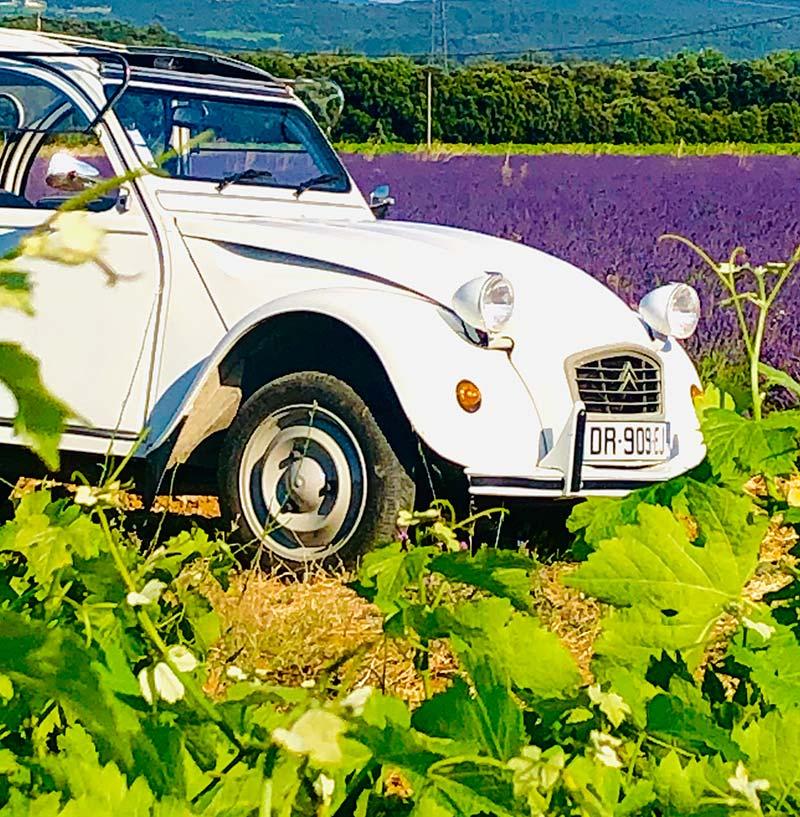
(366, 26)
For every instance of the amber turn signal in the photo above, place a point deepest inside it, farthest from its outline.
(696, 392)
(468, 396)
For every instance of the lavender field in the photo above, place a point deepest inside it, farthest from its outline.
(606, 213)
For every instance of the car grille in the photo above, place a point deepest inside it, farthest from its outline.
(620, 384)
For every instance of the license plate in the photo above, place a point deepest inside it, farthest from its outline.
(626, 442)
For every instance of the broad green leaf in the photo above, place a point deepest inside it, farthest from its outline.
(534, 658)
(388, 572)
(431, 803)
(738, 448)
(502, 573)
(599, 518)
(602, 791)
(475, 787)
(711, 398)
(773, 748)
(688, 724)
(23, 805)
(680, 785)
(15, 291)
(668, 591)
(777, 377)
(41, 417)
(47, 663)
(489, 721)
(724, 519)
(49, 536)
(6, 688)
(774, 665)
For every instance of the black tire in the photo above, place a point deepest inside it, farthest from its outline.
(304, 443)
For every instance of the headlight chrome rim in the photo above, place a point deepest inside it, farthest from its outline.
(487, 303)
(496, 303)
(672, 310)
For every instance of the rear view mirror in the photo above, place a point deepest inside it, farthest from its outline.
(70, 174)
(380, 200)
(190, 115)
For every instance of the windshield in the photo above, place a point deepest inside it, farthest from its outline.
(219, 140)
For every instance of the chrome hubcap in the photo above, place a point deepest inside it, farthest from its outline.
(302, 481)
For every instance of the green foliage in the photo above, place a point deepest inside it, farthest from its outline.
(693, 707)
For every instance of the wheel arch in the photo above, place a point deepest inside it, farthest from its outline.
(269, 348)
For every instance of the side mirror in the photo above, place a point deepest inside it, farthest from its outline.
(380, 201)
(70, 175)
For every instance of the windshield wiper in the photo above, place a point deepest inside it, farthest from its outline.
(317, 181)
(245, 175)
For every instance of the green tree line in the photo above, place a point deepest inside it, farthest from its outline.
(691, 97)
(695, 98)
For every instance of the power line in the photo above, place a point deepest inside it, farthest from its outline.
(606, 44)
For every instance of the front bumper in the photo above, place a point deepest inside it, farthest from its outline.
(575, 479)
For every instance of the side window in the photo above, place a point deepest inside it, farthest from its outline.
(46, 154)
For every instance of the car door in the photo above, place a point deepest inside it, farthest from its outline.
(93, 335)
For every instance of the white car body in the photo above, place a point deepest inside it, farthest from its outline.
(200, 268)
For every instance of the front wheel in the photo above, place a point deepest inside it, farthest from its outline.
(307, 474)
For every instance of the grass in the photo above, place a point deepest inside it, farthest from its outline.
(677, 150)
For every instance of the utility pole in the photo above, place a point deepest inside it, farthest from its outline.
(430, 108)
(439, 46)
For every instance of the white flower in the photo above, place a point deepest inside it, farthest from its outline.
(605, 749)
(308, 683)
(728, 269)
(324, 787)
(89, 496)
(149, 594)
(236, 673)
(762, 628)
(183, 660)
(84, 495)
(357, 700)
(613, 706)
(749, 788)
(315, 734)
(167, 685)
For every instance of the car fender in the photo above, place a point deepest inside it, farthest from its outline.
(424, 357)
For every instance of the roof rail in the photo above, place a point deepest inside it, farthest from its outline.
(93, 52)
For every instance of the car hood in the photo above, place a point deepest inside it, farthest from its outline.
(553, 298)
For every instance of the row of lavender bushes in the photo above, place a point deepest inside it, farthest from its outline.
(606, 214)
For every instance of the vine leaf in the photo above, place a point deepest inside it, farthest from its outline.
(386, 573)
(668, 591)
(598, 789)
(686, 720)
(45, 663)
(680, 787)
(41, 417)
(774, 665)
(488, 721)
(492, 627)
(502, 573)
(599, 518)
(738, 448)
(775, 377)
(773, 746)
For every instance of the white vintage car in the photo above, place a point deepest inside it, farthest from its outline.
(268, 327)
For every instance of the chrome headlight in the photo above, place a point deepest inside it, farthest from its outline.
(672, 310)
(486, 303)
